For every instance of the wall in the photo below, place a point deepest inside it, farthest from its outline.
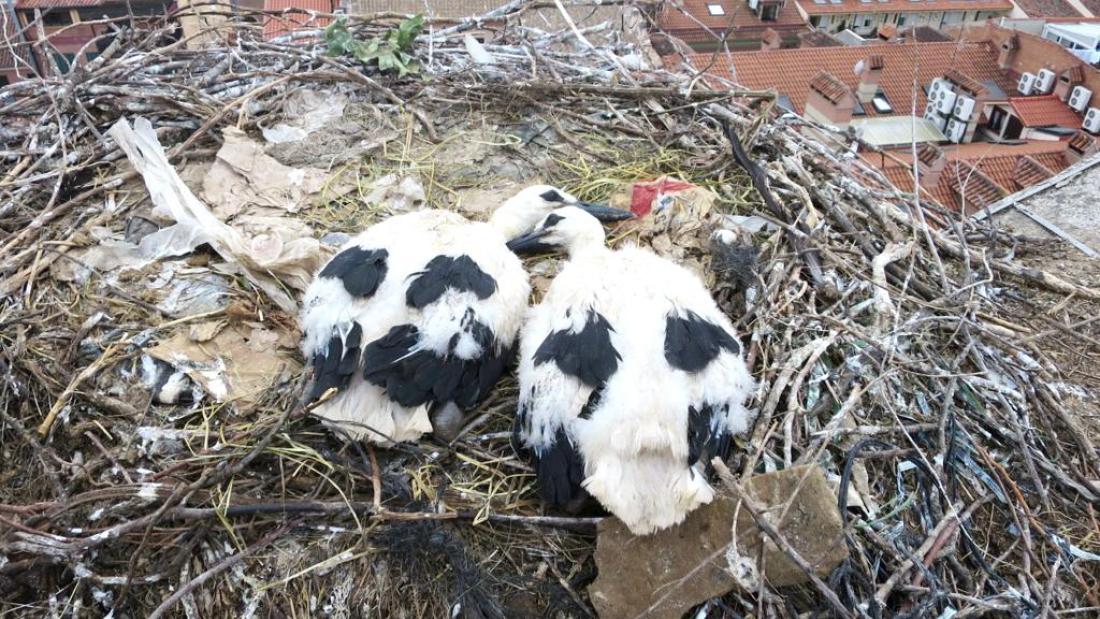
(866, 23)
(81, 27)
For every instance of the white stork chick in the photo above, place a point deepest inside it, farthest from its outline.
(415, 319)
(631, 379)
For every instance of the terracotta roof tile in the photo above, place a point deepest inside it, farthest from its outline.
(789, 71)
(908, 6)
(1044, 111)
(820, 38)
(973, 190)
(923, 34)
(443, 9)
(928, 153)
(830, 87)
(1082, 142)
(1048, 8)
(62, 4)
(276, 26)
(1075, 74)
(966, 82)
(737, 15)
(978, 172)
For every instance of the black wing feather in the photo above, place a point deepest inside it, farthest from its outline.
(360, 270)
(692, 342)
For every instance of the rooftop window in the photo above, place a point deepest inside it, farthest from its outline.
(882, 105)
(716, 9)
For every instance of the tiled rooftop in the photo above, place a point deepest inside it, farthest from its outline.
(1048, 8)
(1082, 142)
(443, 9)
(278, 26)
(1044, 111)
(789, 71)
(967, 83)
(830, 87)
(826, 7)
(819, 38)
(923, 34)
(736, 15)
(62, 4)
(979, 172)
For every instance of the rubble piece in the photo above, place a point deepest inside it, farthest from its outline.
(666, 574)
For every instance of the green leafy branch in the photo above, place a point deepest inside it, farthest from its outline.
(391, 52)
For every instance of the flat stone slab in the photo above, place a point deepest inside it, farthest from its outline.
(667, 573)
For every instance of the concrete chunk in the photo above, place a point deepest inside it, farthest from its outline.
(667, 573)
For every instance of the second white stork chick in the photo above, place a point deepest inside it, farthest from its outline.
(416, 318)
(631, 379)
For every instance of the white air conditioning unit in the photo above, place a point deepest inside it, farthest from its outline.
(1027, 82)
(1092, 120)
(753, 4)
(933, 117)
(945, 101)
(1079, 98)
(955, 131)
(1044, 82)
(964, 108)
(939, 85)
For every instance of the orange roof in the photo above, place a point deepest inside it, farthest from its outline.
(737, 15)
(1044, 111)
(1082, 142)
(1048, 8)
(830, 87)
(829, 7)
(979, 172)
(276, 26)
(789, 71)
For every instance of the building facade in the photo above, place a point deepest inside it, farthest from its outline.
(865, 17)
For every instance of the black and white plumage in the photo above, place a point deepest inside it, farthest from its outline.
(416, 318)
(631, 379)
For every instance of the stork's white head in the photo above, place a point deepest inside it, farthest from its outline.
(569, 228)
(523, 211)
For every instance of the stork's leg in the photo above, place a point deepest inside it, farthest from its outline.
(447, 420)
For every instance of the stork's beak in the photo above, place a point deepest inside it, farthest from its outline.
(530, 243)
(603, 212)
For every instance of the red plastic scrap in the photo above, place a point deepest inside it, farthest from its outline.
(645, 193)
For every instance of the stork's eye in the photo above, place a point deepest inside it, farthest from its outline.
(551, 220)
(552, 196)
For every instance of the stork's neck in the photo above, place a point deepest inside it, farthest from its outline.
(582, 249)
(510, 223)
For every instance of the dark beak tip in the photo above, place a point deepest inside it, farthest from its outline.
(606, 213)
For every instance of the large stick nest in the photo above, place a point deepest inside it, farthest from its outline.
(948, 387)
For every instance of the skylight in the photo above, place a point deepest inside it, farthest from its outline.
(882, 106)
(716, 9)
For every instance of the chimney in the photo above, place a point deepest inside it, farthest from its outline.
(830, 101)
(868, 78)
(770, 40)
(930, 164)
(1067, 80)
(1081, 146)
(1008, 51)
